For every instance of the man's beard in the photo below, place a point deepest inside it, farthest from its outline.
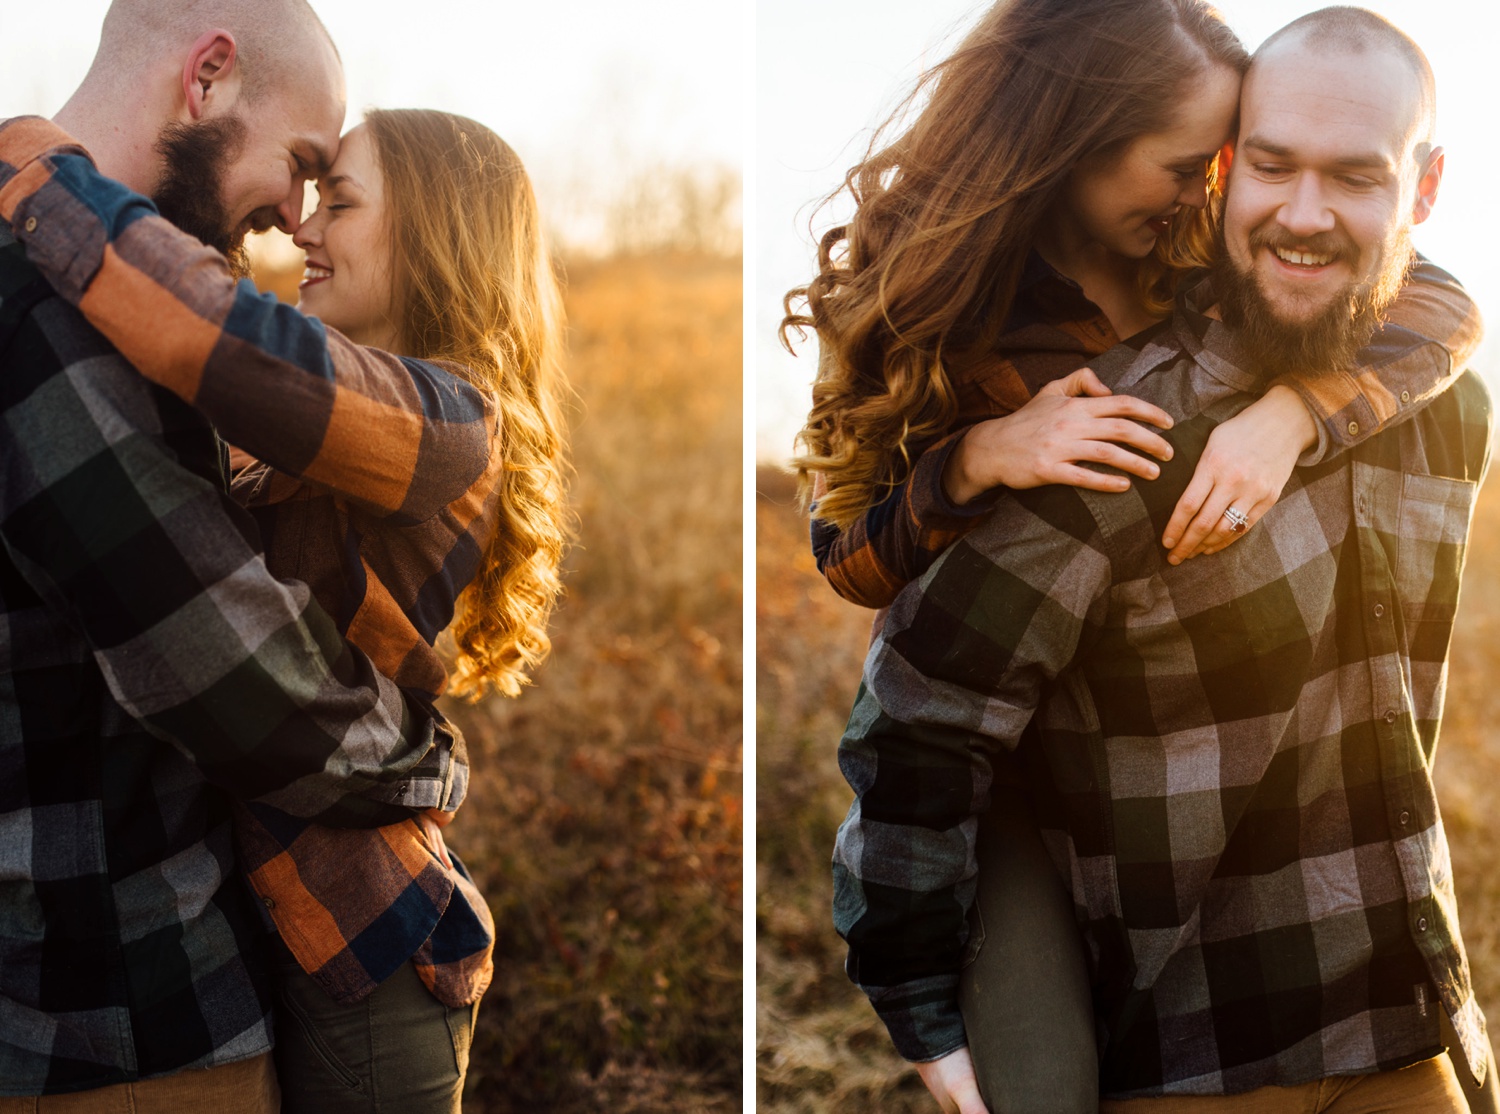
(191, 191)
(1328, 341)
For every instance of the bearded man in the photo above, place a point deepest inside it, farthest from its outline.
(149, 663)
(1229, 758)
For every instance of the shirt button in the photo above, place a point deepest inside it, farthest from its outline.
(1405, 396)
(1390, 717)
(1353, 428)
(1379, 610)
(270, 902)
(30, 224)
(1421, 924)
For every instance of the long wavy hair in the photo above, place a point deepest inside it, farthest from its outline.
(475, 285)
(912, 293)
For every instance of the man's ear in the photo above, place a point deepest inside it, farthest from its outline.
(1427, 186)
(210, 79)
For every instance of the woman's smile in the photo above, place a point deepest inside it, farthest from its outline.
(314, 273)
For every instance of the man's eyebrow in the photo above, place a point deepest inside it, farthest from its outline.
(1266, 146)
(1364, 161)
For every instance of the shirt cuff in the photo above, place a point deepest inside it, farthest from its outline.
(930, 503)
(922, 1017)
(23, 140)
(441, 779)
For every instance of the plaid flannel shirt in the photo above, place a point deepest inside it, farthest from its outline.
(1433, 328)
(1230, 758)
(148, 661)
(386, 524)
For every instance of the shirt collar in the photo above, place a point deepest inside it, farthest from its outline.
(1037, 270)
(1209, 342)
(1043, 293)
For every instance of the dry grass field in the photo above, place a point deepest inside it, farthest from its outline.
(604, 822)
(604, 818)
(819, 1047)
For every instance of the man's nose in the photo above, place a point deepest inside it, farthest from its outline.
(289, 211)
(1306, 211)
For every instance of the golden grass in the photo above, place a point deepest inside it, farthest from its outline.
(819, 1046)
(604, 821)
(604, 817)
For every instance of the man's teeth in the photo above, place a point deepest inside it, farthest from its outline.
(311, 272)
(1303, 258)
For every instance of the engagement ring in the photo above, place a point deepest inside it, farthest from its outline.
(1239, 521)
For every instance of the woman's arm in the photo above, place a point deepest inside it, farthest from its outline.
(398, 436)
(955, 482)
(895, 541)
(1431, 331)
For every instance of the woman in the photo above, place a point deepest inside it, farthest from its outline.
(409, 493)
(1049, 193)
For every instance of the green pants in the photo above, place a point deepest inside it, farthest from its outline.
(399, 1049)
(1025, 993)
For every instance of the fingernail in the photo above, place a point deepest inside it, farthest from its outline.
(1174, 560)
(1168, 543)
(1155, 471)
(1168, 454)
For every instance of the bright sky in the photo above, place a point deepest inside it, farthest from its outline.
(587, 91)
(827, 72)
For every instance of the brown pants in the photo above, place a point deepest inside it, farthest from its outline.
(245, 1087)
(1426, 1088)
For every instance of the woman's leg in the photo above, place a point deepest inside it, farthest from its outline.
(1481, 1100)
(1025, 996)
(399, 1050)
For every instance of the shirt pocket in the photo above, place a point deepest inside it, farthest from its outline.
(1434, 523)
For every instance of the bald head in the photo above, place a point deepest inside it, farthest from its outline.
(276, 39)
(1349, 31)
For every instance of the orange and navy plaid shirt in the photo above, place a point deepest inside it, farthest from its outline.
(378, 491)
(1431, 331)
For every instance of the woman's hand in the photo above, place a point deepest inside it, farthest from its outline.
(951, 1081)
(434, 836)
(1069, 421)
(1247, 462)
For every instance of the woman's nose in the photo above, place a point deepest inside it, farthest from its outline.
(310, 232)
(1195, 193)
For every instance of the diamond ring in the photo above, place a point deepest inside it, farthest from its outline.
(1239, 521)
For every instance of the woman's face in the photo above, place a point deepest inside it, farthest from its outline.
(1126, 203)
(348, 278)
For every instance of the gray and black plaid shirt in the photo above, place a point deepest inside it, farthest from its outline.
(1230, 759)
(149, 667)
